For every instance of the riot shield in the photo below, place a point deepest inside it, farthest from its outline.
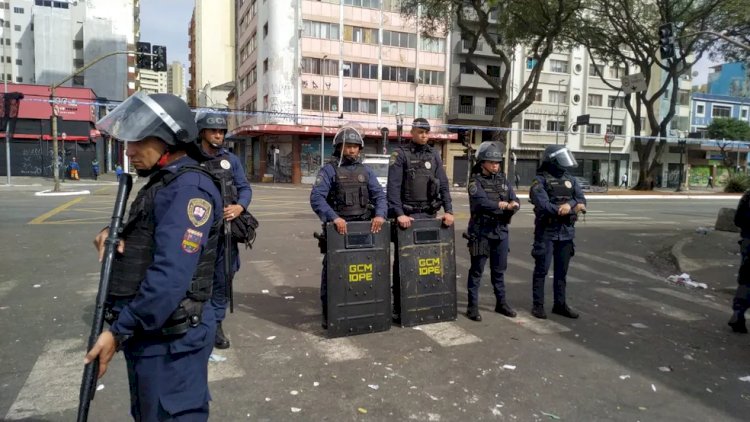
(359, 279)
(424, 283)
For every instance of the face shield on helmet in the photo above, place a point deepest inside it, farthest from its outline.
(563, 158)
(139, 117)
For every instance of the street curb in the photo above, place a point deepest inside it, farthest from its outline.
(49, 192)
(676, 252)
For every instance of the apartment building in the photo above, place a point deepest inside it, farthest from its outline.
(152, 82)
(176, 79)
(212, 52)
(306, 67)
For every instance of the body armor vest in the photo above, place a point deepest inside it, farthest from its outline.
(496, 190)
(421, 185)
(221, 169)
(559, 189)
(350, 195)
(129, 269)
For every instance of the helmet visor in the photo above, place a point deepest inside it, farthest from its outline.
(136, 118)
(564, 158)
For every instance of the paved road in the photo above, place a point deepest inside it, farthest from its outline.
(642, 350)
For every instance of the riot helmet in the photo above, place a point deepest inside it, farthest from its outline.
(348, 135)
(211, 119)
(141, 115)
(559, 156)
(490, 151)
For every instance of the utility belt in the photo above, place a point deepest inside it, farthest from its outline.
(567, 220)
(189, 314)
(431, 208)
(478, 245)
(493, 220)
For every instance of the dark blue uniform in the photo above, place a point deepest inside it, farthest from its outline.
(244, 196)
(553, 234)
(488, 233)
(322, 203)
(741, 301)
(423, 204)
(169, 375)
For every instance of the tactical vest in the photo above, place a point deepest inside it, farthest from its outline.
(129, 269)
(221, 169)
(559, 189)
(350, 193)
(421, 187)
(496, 189)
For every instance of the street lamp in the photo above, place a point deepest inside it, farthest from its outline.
(399, 126)
(557, 114)
(681, 143)
(55, 111)
(610, 134)
(323, 110)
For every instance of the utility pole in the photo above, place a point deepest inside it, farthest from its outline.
(323, 111)
(557, 113)
(681, 143)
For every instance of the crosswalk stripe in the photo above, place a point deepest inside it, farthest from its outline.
(615, 264)
(530, 266)
(270, 271)
(583, 267)
(662, 308)
(448, 334)
(539, 326)
(635, 258)
(225, 369)
(52, 384)
(340, 349)
(690, 298)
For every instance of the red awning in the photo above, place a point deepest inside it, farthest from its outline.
(255, 130)
(47, 137)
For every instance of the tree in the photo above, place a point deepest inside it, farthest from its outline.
(728, 128)
(734, 18)
(539, 26)
(624, 32)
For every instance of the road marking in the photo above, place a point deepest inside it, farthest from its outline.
(635, 258)
(270, 271)
(340, 349)
(530, 266)
(626, 267)
(42, 218)
(583, 267)
(6, 287)
(690, 298)
(53, 383)
(667, 310)
(448, 334)
(539, 326)
(226, 369)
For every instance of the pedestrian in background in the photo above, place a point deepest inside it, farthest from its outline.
(557, 199)
(710, 184)
(492, 202)
(518, 180)
(95, 169)
(741, 301)
(624, 180)
(118, 172)
(74, 168)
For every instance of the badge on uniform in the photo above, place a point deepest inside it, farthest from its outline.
(568, 184)
(198, 211)
(427, 165)
(472, 187)
(225, 164)
(361, 178)
(392, 160)
(191, 241)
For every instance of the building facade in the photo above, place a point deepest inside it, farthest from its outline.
(212, 52)
(152, 82)
(304, 68)
(176, 80)
(729, 79)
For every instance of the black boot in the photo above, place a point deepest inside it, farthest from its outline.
(221, 341)
(472, 313)
(503, 308)
(324, 322)
(737, 322)
(538, 312)
(564, 310)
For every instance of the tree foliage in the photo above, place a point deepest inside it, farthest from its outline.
(733, 19)
(729, 129)
(625, 32)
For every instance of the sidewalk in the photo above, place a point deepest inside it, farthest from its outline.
(67, 186)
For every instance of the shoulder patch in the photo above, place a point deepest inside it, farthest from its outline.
(472, 187)
(318, 180)
(191, 241)
(198, 211)
(394, 157)
(534, 182)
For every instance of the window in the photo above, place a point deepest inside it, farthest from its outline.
(721, 111)
(360, 105)
(466, 69)
(594, 128)
(252, 77)
(490, 106)
(616, 72)
(558, 97)
(78, 80)
(616, 129)
(532, 125)
(17, 27)
(538, 95)
(265, 65)
(395, 39)
(595, 70)
(431, 77)
(555, 126)
(466, 104)
(313, 102)
(616, 102)
(683, 97)
(252, 43)
(700, 109)
(319, 66)
(370, 4)
(7, 41)
(743, 113)
(265, 30)
(17, 9)
(77, 63)
(432, 45)
(431, 111)
(19, 45)
(77, 44)
(362, 35)
(559, 66)
(398, 74)
(530, 63)
(398, 107)
(19, 78)
(595, 100)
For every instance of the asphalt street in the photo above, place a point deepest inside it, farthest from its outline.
(643, 350)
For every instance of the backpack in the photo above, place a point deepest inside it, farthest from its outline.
(243, 229)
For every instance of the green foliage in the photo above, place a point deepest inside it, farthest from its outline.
(737, 183)
(729, 129)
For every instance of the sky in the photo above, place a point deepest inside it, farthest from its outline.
(165, 22)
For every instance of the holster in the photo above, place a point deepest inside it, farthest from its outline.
(322, 241)
(478, 246)
(189, 314)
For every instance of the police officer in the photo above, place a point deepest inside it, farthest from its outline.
(226, 166)
(157, 304)
(741, 301)
(417, 183)
(557, 200)
(346, 190)
(493, 202)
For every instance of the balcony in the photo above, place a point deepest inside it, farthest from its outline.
(470, 112)
(474, 81)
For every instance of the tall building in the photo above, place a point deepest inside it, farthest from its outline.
(176, 79)
(306, 67)
(152, 82)
(729, 79)
(46, 41)
(212, 52)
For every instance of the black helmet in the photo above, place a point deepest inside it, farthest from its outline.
(210, 119)
(421, 123)
(559, 156)
(348, 135)
(490, 151)
(141, 115)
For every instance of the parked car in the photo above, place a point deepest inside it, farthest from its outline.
(379, 165)
(583, 183)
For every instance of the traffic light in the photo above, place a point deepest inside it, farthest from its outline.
(160, 58)
(143, 61)
(666, 41)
